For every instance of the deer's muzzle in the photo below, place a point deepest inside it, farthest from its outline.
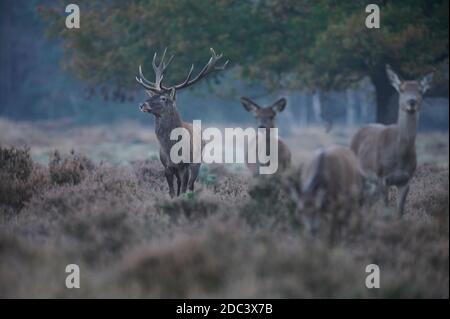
(411, 109)
(144, 108)
(411, 106)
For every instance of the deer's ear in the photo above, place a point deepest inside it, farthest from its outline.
(249, 105)
(426, 81)
(279, 105)
(395, 80)
(173, 94)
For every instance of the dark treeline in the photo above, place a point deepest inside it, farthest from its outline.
(35, 86)
(32, 84)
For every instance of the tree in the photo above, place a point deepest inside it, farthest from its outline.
(287, 44)
(413, 38)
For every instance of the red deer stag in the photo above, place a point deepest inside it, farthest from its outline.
(162, 105)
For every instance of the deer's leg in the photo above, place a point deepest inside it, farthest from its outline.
(169, 177)
(384, 191)
(397, 178)
(194, 169)
(184, 177)
(178, 183)
(169, 172)
(315, 226)
(401, 198)
(306, 223)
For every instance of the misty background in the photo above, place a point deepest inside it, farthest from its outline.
(34, 87)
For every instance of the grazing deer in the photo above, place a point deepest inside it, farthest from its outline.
(265, 118)
(162, 105)
(333, 172)
(388, 152)
(331, 183)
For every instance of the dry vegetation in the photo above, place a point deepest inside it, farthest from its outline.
(108, 211)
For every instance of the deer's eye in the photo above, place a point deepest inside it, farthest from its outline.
(162, 98)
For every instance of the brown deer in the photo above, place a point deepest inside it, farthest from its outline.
(334, 171)
(330, 183)
(265, 118)
(162, 105)
(388, 152)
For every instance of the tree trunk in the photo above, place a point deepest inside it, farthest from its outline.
(317, 107)
(364, 107)
(5, 57)
(303, 109)
(350, 108)
(386, 97)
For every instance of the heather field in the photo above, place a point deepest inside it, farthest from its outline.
(97, 197)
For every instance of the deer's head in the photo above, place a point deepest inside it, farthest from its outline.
(410, 92)
(159, 104)
(162, 98)
(265, 116)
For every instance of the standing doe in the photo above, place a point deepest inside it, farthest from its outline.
(162, 105)
(388, 152)
(265, 118)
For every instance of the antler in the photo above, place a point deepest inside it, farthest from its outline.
(158, 87)
(207, 69)
(159, 74)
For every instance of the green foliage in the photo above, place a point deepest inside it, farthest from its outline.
(117, 37)
(206, 177)
(290, 43)
(413, 37)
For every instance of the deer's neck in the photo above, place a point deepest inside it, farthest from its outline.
(165, 123)
(266, 132)
(268, 138)
(407, 126)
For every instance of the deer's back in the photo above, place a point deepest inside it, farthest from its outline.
(284, 155)
(380, 153)
(367, 145)
(335, 171)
